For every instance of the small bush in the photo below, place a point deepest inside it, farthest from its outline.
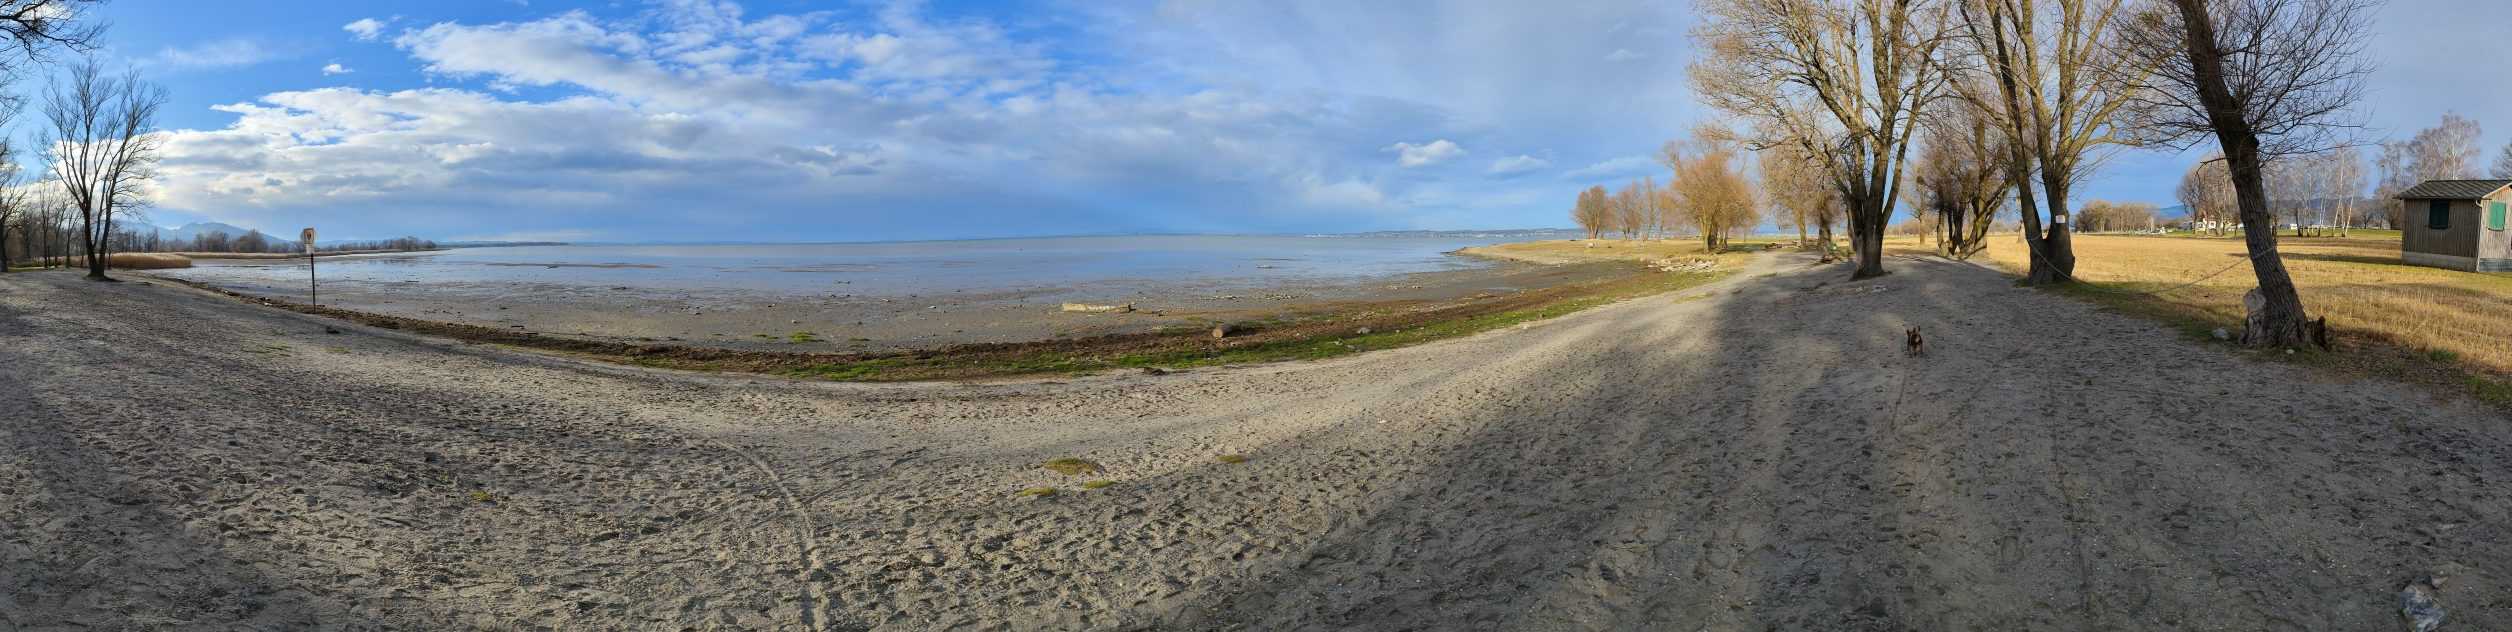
(1071, 466)
(1097, 484)
(1231, 458)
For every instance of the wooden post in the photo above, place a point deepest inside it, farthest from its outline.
(313, 288)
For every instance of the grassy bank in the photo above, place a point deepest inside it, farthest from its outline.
(2425, 324)
(1346, 329)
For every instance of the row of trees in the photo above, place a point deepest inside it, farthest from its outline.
(98, 138)
(2022, 98)
(1707, 193)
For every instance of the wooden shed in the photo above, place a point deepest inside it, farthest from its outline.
(2458, 224)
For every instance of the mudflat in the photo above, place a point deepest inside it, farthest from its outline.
(1755, 453)
(844, 322)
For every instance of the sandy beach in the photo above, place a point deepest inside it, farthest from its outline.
(1753, 454)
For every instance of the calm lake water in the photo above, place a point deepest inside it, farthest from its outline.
(1061, 265)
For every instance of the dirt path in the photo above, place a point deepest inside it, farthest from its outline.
(1753, 454)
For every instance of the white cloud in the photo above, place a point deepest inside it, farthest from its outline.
(366, 29)
(1516, 165)
(865, 121)
(336, 69)
(1409, 155)
(1613, 167)
(1623, 54)
(225, 53)
(722, 123)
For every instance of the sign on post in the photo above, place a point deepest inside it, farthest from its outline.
(312, 288)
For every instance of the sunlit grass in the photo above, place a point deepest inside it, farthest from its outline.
(1562, 251)
(2359, 282)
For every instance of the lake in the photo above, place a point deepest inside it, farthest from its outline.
(1039, 267)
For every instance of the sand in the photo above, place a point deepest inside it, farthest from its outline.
(1753, 454)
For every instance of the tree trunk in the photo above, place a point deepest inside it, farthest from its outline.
(2278, 319)
(1826, 227)
(1866, 237)
(2059, 247)
(97, 248)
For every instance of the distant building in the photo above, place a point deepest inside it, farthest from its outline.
(2458, 224)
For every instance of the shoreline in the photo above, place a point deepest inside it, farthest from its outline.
(847, 322)
(1321, 321)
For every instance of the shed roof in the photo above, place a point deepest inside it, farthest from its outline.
(2453, 189)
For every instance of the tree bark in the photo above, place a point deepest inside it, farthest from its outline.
(97, 248)
(2059, 246)
(2279, 320)
(1866, 235)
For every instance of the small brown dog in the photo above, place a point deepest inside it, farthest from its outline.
(1917, 345)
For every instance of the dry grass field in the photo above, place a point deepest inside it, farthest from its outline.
(2437, 316)
(147, 260)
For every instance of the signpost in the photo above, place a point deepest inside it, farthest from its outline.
(312, 288)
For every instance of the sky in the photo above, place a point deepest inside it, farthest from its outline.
(841, 120)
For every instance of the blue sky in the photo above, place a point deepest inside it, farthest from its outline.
(789, 120)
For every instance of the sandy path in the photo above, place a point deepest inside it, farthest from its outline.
(1753, 454)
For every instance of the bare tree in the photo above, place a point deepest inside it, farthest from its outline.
(1800, 189)
(2503, 162)
(2445, 152)
(2061, 93)
(1629, 216)
(1593, 212)
(1842, 79)
(2394, 176)
(2265, 78)
(1710, 188)
(35, 27)
(1962, 176)
(2207, 189)
(104, 142)
(2345, 173)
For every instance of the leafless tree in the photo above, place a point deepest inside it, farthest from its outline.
(1710, 188)
(1799, 189)
(2503, 162)
(35, 27)
(1646, 197)
(1842, 79)
(103, 142)
(1593, 212)
(2344, 169)
(2265, 78)
(1962, 176)
(2207, 189)
(2393, 176)
(2447, 151)
(2061, 91)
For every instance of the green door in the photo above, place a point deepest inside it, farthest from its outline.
(2494, 216)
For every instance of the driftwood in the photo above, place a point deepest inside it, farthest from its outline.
(1088, 308)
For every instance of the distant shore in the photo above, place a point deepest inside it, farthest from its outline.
(292, 255)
